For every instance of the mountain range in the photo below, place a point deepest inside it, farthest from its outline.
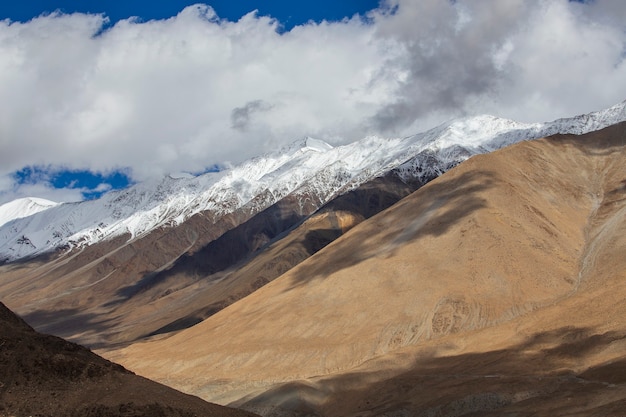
(309, 170)
(451, 272)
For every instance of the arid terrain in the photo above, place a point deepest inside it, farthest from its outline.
(497, 289)
(43, 375)
(120, 290)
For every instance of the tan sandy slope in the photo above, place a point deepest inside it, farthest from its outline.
(498, 285)
(118, 291)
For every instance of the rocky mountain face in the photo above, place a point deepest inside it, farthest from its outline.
(467, 269)
(48, 376)
(164, 255)
(496, 289)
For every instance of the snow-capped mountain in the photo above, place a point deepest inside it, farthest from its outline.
(23, 207)
(309, 167)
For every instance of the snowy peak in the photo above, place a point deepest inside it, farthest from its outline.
(299, 146)
(473, 132)
(23, 207)
(308, 169)
(316, 145)
(592, 121)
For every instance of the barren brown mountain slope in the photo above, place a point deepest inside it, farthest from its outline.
(44, 375)
(498, 287)
(88, 296)
(118, 291)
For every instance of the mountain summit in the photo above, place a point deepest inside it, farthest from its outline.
(308, 167)
(23, 207)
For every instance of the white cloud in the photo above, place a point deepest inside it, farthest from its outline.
(530, 60)
(10, 191)
(100, 188)
(193, 90)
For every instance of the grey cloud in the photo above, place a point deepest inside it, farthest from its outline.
(240, 116)
(450, 47)
(143, 95)
(523, 59)
(612, 12)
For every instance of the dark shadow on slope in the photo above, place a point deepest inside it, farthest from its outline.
(599, 143)
(193, 318)
(178, 324)
(616, 195)
(46, 376)
(249, 239)
(318, 239)
(372, 197)
(535, 378)
(363, 202)
(227, 250)
(66, 323)
(432, 212)
(41, 258)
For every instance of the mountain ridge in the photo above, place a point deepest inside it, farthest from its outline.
(495, 287)
(308, 166)
(121, 288)
(299, 299)
(23, 207)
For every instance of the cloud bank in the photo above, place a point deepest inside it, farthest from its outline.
(195, 90)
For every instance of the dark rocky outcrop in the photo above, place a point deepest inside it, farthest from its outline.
(43, 375)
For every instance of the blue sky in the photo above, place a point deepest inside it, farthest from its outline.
(287, 13)
(91, 102)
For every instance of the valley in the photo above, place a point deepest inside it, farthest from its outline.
(475, 280)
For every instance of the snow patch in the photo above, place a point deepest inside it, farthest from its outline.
(23, 207)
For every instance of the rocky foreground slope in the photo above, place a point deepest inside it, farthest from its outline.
(497, 289)
(44, 376)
